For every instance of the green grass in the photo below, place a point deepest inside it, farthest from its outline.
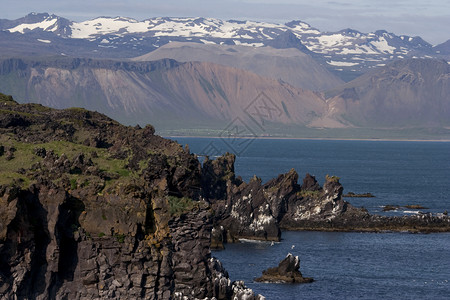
(178, 206)
(7, 178)
(7, 98)
(309, 194)
(332, 178)
(14, 112)
(120, 238)
(38, 107)
(77, 109)
(24, 157)
(73, 183)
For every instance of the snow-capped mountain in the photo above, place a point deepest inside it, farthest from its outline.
(34, 21)
(347, 52)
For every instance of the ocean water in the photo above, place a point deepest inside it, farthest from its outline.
(349, 265)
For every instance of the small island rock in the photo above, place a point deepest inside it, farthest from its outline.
(286, 272)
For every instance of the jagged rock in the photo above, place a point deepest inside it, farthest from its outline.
(218, 237)
(390, 207)
(241, 292)
(9, 155)
(286, 272)
(257, 211)
(89, 262)
(310, 183)
(75, 225)
(247, 213)
(41, 152)
(13, 120)
(217, 174)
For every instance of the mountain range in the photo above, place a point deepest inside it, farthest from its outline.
(204, 76)
(348, 53)
(164, 93)
(288, 65)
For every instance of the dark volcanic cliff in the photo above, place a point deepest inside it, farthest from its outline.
(91, 209)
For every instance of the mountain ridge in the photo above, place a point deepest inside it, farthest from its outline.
(347, 53)
(400, 94)
(289, 65)
(166, 93)
(201, 98)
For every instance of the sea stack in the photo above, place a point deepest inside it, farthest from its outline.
(286, 272)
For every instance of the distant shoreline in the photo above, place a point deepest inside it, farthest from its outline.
(314, 139)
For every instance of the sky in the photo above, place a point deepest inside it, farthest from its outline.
(429, 19)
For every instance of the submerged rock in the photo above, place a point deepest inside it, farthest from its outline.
(354, 195)
(286, 272)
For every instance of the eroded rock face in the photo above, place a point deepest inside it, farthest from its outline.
(257, 211)
(318, 204)
(98, 210)
(50, 250)
(216, 175)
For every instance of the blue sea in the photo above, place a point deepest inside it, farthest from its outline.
(349, 265)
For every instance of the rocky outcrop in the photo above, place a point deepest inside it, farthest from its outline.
(260, 211)
(286, 272)
(360, 220)
(91, 209)
(216, 176)
(48, 254)
(257, 211)
(354, 195)
(196, 273)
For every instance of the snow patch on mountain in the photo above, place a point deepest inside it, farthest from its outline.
(358, 49)
(46, 25)
(239, 43)
(341, 63)
(102, 26)
(179, 27)
(383, 46)
(206, 42)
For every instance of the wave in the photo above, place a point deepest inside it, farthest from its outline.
(258, 241)
(413, 212)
